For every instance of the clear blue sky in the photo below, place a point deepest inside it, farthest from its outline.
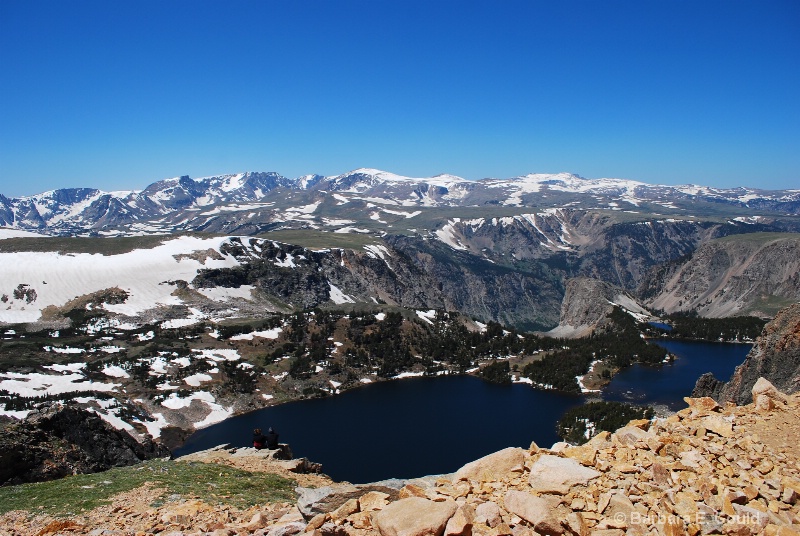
(119, 94)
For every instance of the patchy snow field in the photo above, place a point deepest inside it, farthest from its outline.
(142, 273)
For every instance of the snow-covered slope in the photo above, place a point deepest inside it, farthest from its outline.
(32, 281)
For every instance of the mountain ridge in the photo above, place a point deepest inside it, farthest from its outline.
(71, 210)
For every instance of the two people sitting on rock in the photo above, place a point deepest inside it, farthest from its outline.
(270, 440)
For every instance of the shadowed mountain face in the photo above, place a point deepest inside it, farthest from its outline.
(775, 356)
(55, 441)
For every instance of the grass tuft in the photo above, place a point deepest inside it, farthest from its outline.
(214, 484)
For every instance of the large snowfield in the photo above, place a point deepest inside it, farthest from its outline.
(58, 278)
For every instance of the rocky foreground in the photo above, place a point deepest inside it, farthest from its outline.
(705, 470)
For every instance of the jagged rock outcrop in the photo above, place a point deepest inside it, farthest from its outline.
(752, 274)
(56, 440)
(587, 304)
(775, 356)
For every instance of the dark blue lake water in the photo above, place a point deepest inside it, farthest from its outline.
(403, 428)
(421, 426)
(667, 384)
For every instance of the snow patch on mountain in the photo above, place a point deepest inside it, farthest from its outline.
(17, 233)
(338, 297)
(144, 274)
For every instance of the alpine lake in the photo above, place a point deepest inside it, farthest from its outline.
(425, 426)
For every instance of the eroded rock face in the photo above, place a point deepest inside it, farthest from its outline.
(775, 357)
(58, 440)
(587, 304)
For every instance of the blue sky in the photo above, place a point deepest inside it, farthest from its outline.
(116, 95)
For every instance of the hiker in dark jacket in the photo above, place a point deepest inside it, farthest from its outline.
(259, 439)
(272, 439)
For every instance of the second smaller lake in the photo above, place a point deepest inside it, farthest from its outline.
(667, 384)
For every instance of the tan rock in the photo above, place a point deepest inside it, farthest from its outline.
(495, 466)
(488, 513)
(349, 507)
(692, 458)
(627, 468)
(756, 519)
(629, 435)
(765, 387)
(671, 527)
(686, 508)
(702, 406)
(317, 521)
(717, 424)
(578, 503)
(414, 516)
(780, 530)
(585, 454)
(601, 440)
(258, 521)
(184, 512)
(576, 524)
(287, 529)
(602, 504)
(661, 475)
(522, 530)
(373, 500)
(620, 508)
(617, 522)
(461, 522)
(764, 403)
(538, 511)
(361, 520)
(553, 474)
(412, 490)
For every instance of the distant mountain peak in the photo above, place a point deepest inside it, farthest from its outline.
(241, 201)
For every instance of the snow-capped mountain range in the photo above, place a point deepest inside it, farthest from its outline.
(254, 201)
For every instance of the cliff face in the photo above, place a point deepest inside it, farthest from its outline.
(754, 274)
(775, 356)
(587, 304)
(55, 441)
(408, 272)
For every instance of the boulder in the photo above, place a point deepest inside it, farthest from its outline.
(717, 424)
(489, 514)
(766, 396)
(702, 405)
(414, 516)
(629, 435)
(552, 474)
(538, 511)
(313, 501)
(495, 466)
(461, 522)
